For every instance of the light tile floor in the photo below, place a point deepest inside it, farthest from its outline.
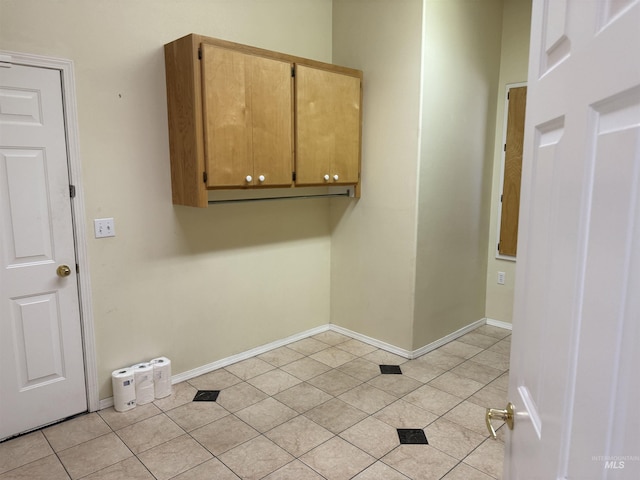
(315, 409)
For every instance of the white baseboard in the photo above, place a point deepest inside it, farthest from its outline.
(196, 372)
(499, 323)
(189, 374)
(448, 338)
(371, 341)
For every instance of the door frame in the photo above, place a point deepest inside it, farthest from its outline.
(74, 164)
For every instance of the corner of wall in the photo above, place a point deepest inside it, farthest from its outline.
(461, 54)
(513, 69)
(373, 238)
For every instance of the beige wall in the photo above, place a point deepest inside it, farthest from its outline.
(373, 240)
(513, 69)
(401, 265)
(194, 285)
(409, 259)
(461, 63)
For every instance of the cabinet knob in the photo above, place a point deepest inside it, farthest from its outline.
(335, 177)
(261, 178)
(326, 177)
(248, 178)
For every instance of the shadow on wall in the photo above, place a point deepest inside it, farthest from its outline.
(247, 225)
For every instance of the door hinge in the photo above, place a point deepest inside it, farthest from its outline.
(205, 177)
(77, 268)
(293, 176)
(199, 53)
(505, 147)
(72, 191)
(293, 71)
(501, 197)
(508, 95)
(498, 247)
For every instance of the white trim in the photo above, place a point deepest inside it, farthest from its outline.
(505, 118)
(499, 256)
(78, 213)
(448, 338)
(499, 324)
(372, 341)
(209, 367)
(181, 377)
(105, 403)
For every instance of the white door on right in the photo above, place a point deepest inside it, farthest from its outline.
(575, 378)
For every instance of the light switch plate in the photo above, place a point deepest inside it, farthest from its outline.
(104, 227)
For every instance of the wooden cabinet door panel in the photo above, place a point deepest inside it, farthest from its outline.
(248, 109)
(272, 128)
(227, 116)
(327, 126)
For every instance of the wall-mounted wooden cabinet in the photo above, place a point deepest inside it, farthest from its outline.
(243, 117)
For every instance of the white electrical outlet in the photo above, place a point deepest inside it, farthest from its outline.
(104, 227)
(501, 276)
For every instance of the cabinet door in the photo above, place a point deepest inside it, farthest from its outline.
(327, 127)
(272, 109)
(248, 124)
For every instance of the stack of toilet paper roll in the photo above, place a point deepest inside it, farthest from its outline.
(161, 376)
(124, 389)
(143, 376)
(141, 383)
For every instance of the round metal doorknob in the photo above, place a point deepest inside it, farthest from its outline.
(335, 177)
(326, 177)
(261, 178)
(63, 271)
(248, 178)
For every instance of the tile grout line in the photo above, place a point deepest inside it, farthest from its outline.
(298, 414)
(370, 415)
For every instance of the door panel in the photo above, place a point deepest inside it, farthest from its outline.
(248, 114)
(327, 126)
(37, 328)
(41, 355)
(573, 358)
(226, 78)
(610, 313)
(556, 43)
(28, 207)
(20, 106)
(272, 129)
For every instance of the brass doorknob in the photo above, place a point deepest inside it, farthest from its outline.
(505, 415)
(63, 271)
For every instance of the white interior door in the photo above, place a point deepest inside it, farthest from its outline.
(41, 356)
(575, 357)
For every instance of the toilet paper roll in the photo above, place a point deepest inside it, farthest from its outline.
(161, 376)
(145, 392)
(124, 390)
